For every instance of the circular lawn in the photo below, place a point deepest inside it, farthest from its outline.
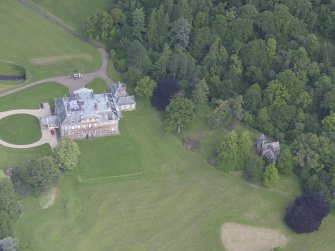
(20, 129)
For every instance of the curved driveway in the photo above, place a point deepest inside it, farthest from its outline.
(46, 138)
(70, 82)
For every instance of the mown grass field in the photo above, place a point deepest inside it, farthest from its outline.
(20, 129)
(10, 157)
(31, 97)
(76, 10)
(98, 85)
(44, 49)
(176, 202)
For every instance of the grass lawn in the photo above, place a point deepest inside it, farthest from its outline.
(42, 48)
(73, 12)
(20, 129)
(178, 202)
(113, 73)
(8, 69)
(10, 157)
(112, 156)
(98, 85)
(32, 96)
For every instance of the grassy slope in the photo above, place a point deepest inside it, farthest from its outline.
(20, 129)
(38, 38)
(177, 203)
(32, 96)
(98, 85)
(77, 10)
(10, 157)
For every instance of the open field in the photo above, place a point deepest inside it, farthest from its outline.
(77, 10)
(8, 69)
(237, 237)
(98, 85)
(20, 129)
(177, 202)
(39, 39)
(10, 157)
(31, 97)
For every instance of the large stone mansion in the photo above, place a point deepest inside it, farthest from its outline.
(88, 115)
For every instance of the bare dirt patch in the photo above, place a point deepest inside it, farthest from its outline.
(50, 60)
(48, 199)
(237, 237)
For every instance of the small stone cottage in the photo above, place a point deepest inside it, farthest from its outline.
(268, 150)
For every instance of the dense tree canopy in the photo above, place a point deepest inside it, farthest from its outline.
(41, 174)
(8, 199)
(275, 56)
(179, 113)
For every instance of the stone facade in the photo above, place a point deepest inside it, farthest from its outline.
(88, 115)
(268, 150)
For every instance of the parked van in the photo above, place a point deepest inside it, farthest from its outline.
(77, 75)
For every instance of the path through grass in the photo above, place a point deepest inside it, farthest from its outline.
(26, 37)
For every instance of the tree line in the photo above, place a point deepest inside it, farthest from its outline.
(266, 64)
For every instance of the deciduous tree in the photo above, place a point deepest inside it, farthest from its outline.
(41, 174)
(306, 213)
(270, 176)
(179, 113)
(145, 87)
(66, 154)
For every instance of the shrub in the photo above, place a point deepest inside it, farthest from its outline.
(306, 213)
(164, 91)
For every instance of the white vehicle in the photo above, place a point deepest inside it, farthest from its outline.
(77, 75)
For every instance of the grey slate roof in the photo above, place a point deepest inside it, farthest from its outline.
(84, 104)
(268, 150)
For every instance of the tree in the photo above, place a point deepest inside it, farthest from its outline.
(233, 150)
(66, 154)
(137, 56)
(179, 113)
(164, 91)
(285, 161)
(138, 23)
(145, 87)
(99, 25)
(6, 225)
(8, 199)
(153, 30)
(160, 67)
(306, 213)
(9, 244)
(253, 98)
(254, 168)
(200, 92)
(133, 75)
(180, 33)
(270, 176)
(41, 173)
(228, 113)
(328, 123)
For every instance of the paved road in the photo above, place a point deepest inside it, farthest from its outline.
(46, 138)
(70, 82)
